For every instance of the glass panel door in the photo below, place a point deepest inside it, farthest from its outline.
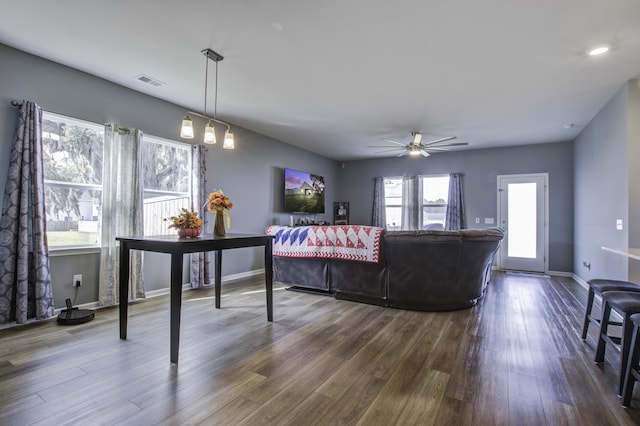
(522, 212)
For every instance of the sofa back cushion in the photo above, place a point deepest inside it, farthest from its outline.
(439, 269)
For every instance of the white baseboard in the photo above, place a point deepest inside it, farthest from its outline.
(560, 274)
(580, 281)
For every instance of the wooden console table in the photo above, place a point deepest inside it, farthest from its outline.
(177, 247)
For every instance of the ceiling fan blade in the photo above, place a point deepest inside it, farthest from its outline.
(402, 154)
(396, 142)
(455, 144)
(448, 138)
(385, 146)
(424, 153)
(438, 149)
(389, 150)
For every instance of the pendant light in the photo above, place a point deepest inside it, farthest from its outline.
(187, 128)
(209, 130)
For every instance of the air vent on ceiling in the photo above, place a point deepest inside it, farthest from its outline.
(149, 80)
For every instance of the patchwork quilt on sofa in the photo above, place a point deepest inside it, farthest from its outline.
(345, 242)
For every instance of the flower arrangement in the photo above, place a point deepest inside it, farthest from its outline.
(219, 202)
(187, 218)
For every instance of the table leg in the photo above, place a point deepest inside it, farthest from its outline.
(176, 303)
(268, 277)
(218, 277)
(123, 282)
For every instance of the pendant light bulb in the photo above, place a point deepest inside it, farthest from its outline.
(187, 128)
(228, 140)
(210, 134)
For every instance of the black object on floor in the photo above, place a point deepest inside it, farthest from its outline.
(74, 316)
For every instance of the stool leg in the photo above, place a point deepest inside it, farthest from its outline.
(632, 364)
(604, 325)
(585, 326)
(625, 348)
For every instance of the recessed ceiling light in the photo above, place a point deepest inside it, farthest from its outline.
(569, 125)
(599, 50)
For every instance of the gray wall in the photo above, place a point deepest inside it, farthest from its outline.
(251, 175)
(633, 159)
(480, 168)
(601, 164)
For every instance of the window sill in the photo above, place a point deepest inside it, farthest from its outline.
(73, 251)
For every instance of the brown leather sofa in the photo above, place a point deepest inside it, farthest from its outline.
(419, 270)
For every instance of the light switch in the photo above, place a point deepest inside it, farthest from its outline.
(488, 221)
(619, 224)
(477, 220)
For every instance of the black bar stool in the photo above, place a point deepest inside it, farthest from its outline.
(625, 303)
(632, 372)
(598, 286)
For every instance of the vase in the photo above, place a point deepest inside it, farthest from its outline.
(188, 232)
(218, 225)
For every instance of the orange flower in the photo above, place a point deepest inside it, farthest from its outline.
(185, 219)
(219, 202)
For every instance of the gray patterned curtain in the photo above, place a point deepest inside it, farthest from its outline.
(455, 206)
(25, 279)
(122, 210)
(409, 217)
(200, 275)
(379, 217)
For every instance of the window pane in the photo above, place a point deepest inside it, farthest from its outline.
(157, 208)
(72, 155)
(435, 190)
(72, 216)
(522, 230)
(166, 167)
(433, 215)
(167, 179)
(394, 218)
(393, 203)
(433, 200)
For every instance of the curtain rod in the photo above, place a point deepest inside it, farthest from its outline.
(16, 103)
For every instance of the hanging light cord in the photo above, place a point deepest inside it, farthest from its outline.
(206, 82)
(215, 99)
(206, 78)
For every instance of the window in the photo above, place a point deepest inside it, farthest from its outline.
(167, 182)
(434, 193)
(393, 203)
(430, 210)
(72, 155)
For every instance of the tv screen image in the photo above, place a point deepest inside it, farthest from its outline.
(303, 192)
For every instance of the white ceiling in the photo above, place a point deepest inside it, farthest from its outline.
(334, 76)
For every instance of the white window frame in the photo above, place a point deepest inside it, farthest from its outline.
(74, 248)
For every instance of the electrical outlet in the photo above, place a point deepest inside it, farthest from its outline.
(477, 220)
(77, 280)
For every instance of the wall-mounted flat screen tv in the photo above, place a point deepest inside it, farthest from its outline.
(303, 192)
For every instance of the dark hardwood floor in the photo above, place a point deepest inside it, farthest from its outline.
(514, 359)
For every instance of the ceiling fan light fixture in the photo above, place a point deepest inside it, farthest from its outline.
(186, 131)
(417, 137)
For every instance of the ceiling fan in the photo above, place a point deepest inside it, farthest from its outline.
(417, 147)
